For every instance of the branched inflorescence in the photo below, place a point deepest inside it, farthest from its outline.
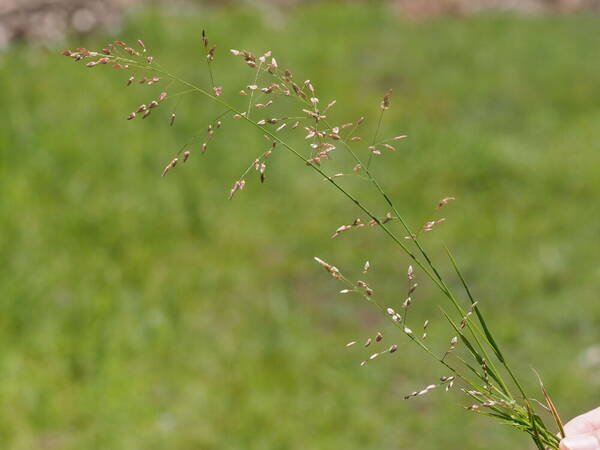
(472, 357)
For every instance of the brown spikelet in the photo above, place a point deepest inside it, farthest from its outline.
(237, 186)
(444, 201)
(385, 102)
(169, 166)
(205, 40)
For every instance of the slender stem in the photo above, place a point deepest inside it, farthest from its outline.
(252, 91)
(375, 137)
(210, 74)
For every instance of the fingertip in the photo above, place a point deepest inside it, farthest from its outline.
(581, 442)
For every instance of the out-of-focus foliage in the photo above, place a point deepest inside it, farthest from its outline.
(46, 21)
(146, 313)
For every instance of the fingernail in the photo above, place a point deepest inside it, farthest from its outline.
(580, 442)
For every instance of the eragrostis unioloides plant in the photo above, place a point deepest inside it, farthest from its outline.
(480, 372)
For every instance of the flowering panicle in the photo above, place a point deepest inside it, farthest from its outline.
(272, 85)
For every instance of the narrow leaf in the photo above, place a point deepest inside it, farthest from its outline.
(486, 330)
(551, 406)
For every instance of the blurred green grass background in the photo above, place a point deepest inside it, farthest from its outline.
(147, 313)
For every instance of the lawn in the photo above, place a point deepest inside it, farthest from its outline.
(140, 312)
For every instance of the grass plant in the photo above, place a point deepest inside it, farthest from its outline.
(481, 371)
